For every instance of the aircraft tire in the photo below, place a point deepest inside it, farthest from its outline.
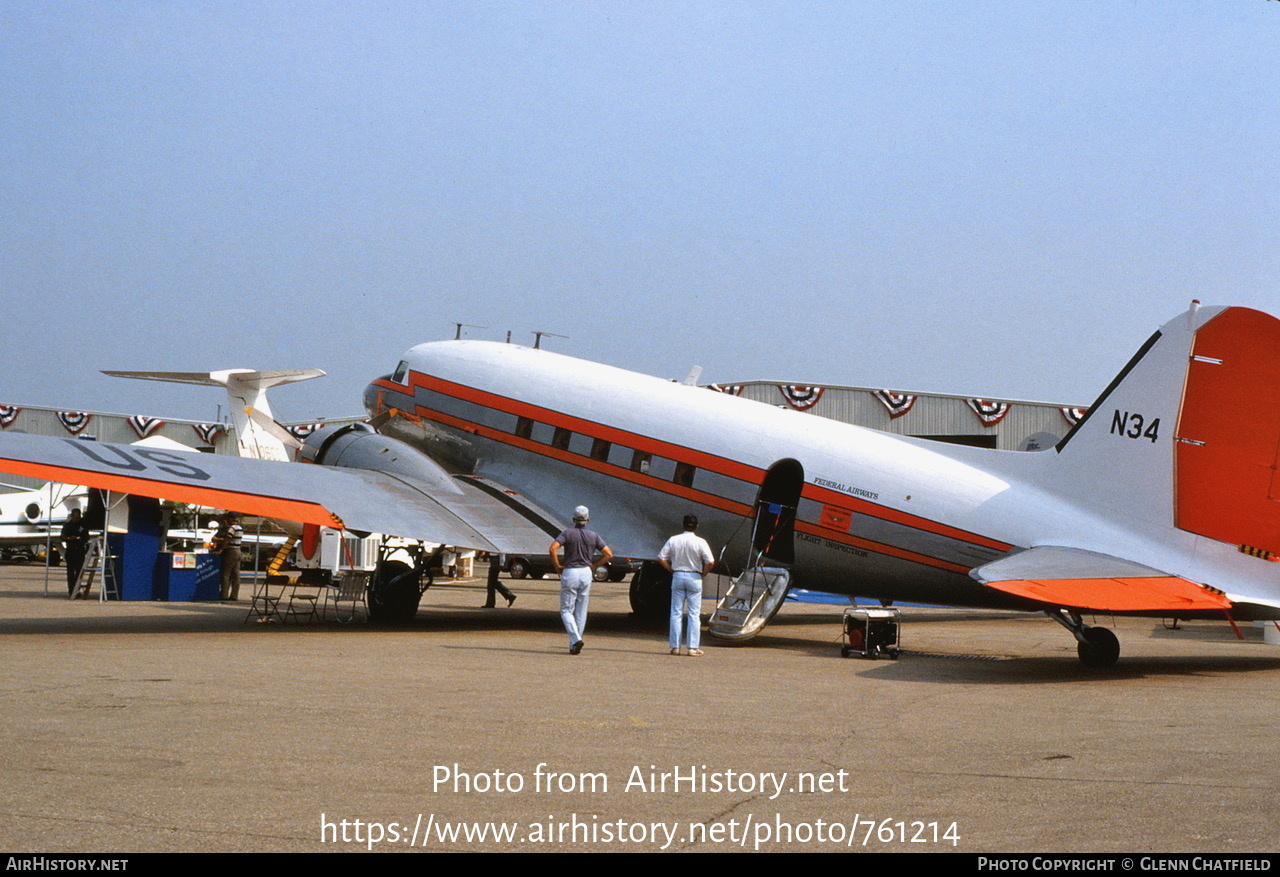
(393, 593)
(1101, 648)
(650, 593)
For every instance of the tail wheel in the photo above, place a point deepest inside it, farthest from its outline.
(393, 593)
(1100, 648)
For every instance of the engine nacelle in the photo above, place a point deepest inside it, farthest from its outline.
(33, 512)
(358, 446)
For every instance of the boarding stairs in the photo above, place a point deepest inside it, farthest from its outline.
(754, 595)
(749, 602)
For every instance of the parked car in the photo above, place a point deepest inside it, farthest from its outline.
(521, 566)
(617, 569)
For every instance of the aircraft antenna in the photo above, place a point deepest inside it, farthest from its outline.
(537, 338)
(458, 327)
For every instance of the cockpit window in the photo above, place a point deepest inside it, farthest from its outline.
(402, 373)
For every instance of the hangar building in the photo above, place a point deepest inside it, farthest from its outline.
(1006, 424)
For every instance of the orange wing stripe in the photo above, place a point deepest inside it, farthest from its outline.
(268, 506)
(1138, 594)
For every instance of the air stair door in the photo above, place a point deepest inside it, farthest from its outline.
(755, 595)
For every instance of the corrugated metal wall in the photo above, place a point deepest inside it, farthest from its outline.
(1038, 423)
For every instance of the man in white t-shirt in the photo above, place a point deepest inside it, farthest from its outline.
(688, 558)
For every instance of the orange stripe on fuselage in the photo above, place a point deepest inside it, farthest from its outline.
(573, 459)
(688, 493)
(267, 506)
(701, 459)
(878, 547)
(826, 495)
(590, 428)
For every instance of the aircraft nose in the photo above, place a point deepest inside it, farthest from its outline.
(373, 396)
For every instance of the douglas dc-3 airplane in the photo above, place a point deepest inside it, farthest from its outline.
(1164, 501)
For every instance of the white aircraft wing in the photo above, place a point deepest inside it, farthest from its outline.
(470, 512)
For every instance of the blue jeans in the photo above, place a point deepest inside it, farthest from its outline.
(575, 590)
(686, 603)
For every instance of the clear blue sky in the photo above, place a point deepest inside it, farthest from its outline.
(999, 198)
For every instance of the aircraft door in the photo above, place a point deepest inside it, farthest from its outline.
(753, 596)
(774, 530)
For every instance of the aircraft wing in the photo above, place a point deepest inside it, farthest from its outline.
(467, 512)
(1073, 578)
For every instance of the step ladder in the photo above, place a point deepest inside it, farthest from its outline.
(749, 602)
(89, 571)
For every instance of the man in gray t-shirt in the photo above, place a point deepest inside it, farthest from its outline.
(580, 546)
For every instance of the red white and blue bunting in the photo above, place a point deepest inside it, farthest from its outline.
(1073, 415)
(990, 413)
(800, 397)
(898, 404)
(8, 414)
(209, 432)
(144, 425)
(74, 422)
(301, 430)
(731, 389)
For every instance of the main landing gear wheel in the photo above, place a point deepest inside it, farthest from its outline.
(393, 593)
(1099, 648)
(650, 592)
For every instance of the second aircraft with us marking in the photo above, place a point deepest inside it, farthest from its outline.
(1163, 501)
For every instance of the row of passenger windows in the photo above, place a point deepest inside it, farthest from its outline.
(605, 451)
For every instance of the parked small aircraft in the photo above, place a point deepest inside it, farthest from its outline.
(32, 518)
(1163, 501)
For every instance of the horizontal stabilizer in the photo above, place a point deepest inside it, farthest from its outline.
(257, 433)
(243, 376)
(1077, 579)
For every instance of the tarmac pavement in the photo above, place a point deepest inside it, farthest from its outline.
(136, 727)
